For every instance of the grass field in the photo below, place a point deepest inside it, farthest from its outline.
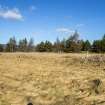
(51, 79)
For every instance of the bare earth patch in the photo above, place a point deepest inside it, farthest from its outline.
(51, 79)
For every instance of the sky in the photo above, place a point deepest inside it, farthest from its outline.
(48, 19)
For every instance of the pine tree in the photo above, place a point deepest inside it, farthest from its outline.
(40, 47)
(23, 45)
(103, 44)
(48, 46)
(86, 45)
(97, 46)
(11, 45)
(31, 45)
(73, 43)
(1, 48)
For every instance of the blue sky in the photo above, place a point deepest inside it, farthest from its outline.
(49, 19)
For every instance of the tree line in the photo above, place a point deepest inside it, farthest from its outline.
(71, 44)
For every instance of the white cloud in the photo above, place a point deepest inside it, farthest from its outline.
(13, 14)
(64, 30)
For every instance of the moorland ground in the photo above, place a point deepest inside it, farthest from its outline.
(51, 79)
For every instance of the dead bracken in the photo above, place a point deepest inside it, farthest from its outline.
(94, 58)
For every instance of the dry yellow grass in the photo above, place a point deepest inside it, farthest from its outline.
(50, 79)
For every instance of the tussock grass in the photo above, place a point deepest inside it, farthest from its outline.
(52, 79)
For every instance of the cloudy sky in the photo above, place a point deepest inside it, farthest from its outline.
(49, 19)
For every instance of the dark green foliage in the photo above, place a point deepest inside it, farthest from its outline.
(71, 44)
(41, 47)
(1, 48)
(44, 47)
(63, 45)
(23, 45)
(86, 45)
(48, 46)
(102, 44)
(11, 45)
(97, 46)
